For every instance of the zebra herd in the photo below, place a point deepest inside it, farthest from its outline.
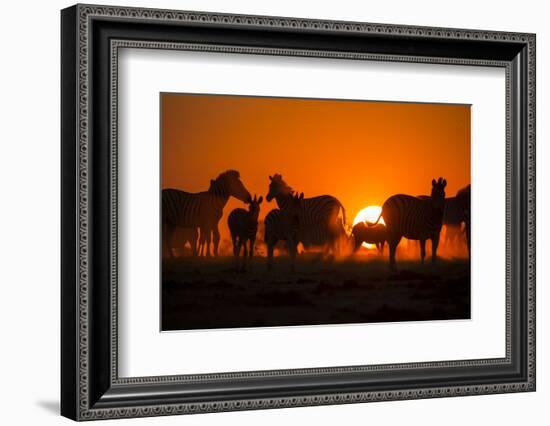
(310, 221)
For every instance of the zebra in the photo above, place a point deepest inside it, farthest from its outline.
(243, 226)
(202, 209)
(373, 234)
(284, 225)
(414, 218)
(456, 212)
(319, 225)
(464, 197)
(453, 216)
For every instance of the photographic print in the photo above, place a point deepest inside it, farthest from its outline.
(291, 211)
(260, 183)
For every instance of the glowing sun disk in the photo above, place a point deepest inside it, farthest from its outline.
(368, 214)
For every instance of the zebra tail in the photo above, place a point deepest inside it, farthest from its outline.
(374, 223)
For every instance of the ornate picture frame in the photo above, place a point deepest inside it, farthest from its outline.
(91, 37)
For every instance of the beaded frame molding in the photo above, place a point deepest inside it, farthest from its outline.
(91, 38)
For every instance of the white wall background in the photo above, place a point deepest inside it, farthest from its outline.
(29, 213)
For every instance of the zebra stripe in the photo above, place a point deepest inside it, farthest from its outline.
(242, 224)
(201, 210)
(283, 225)
(318, 219)
(411, 217)
(187, 210)
(274, 230)
(318, 216)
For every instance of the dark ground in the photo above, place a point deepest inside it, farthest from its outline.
(203, 293)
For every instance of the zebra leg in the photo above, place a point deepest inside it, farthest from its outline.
(243, 264)
(332, 243)
(234, 240)
(193, 242)
(216, 239)
(435, 243)
(292, 247)
(203, 245)
(422, 250)
(207, 239)
(201, 241)
(252, 242)
(270, 246)
(393, 243)
(237, 252)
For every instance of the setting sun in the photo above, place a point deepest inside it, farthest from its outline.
(369, 214)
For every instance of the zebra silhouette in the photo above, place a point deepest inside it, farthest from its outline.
(243, 226)
(284, 225)
(372, 234)
(453, 216)
(415, 218)
(456, 212)
(463, 197)
(319, 224)
(202, 209)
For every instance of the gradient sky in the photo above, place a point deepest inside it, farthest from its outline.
(359, 151)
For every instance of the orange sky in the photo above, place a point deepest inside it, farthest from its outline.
(359, 151)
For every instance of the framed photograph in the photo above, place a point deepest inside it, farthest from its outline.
(263, 212)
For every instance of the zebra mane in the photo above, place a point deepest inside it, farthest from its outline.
(221, 184)
(233, 174)
(278, 178)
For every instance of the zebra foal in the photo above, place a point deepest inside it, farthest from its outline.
(243, 226)
(284, 225)
(373, 234)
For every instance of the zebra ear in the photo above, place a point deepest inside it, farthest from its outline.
(433, 182)
(302, 196)
(270, 177)
(444, 183)
(260, 199)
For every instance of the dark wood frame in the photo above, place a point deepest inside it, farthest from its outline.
(90, 386)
